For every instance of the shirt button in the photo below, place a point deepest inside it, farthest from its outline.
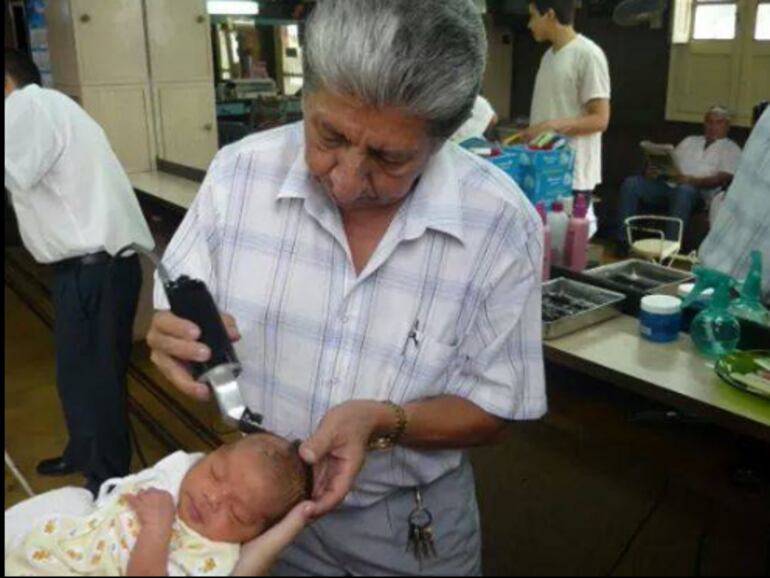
(345, 319)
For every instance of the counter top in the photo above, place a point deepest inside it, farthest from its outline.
(175, 191)
(672, 373)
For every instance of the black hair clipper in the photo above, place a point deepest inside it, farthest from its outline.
(190, 299)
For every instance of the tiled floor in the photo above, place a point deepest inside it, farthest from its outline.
(584, 491)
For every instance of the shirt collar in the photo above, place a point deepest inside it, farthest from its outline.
(436, 202)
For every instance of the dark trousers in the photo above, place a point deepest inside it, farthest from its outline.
(680, 201)
(95, 307)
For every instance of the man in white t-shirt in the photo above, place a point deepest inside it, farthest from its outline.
(76, 210)
(572, 90)
(708, 163)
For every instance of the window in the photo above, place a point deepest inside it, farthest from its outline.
(714, 20)
(232, 8)
(682, 21)
(762, 28)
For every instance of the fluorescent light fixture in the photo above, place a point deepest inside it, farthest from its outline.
(232, 7)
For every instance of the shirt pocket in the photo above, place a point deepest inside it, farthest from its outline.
(424, 369)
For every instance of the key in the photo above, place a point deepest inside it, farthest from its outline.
(421, 541)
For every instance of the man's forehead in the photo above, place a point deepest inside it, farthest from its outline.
(388, 128)
(713, 116)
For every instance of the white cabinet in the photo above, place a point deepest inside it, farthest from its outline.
(99, 57)
(151, 88)
(125, 114)
(179, 38)
(97, 41)
(186, 123)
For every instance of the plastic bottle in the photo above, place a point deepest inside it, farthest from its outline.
(540, 207)
(558, 223)
(714, 331)
(576, 243)
(749, 305)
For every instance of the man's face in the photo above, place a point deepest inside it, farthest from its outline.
(715, 127)
(365, 158)
(539, 24)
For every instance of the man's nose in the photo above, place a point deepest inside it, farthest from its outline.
(349, 176)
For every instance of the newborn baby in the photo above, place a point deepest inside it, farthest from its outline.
(186, 516)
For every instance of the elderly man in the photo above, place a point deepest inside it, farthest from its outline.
(383, 282)
(707, 162)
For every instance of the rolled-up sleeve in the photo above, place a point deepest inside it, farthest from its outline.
(32, 142)
(503, 370)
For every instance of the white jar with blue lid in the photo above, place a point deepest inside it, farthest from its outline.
(660, 318)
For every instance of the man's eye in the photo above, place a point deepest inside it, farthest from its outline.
(391, 162)
(333, 140)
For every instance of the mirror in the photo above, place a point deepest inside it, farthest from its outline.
(257, 72)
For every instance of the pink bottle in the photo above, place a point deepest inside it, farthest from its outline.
(576, 243)
(546, 242)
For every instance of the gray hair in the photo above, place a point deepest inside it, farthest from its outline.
(721, 111)
(426, 57)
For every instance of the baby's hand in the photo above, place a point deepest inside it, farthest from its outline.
(154, 508)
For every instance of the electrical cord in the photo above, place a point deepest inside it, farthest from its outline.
(656, 503)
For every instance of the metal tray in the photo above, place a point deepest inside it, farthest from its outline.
(598, 305)
(639, 277)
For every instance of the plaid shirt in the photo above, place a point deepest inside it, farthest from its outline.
(448, 304)
(743, 222)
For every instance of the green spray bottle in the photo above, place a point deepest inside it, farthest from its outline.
(714, 331)
(749, 305)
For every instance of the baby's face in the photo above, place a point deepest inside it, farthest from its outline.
(229, 495)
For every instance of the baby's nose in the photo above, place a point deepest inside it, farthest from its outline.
(213, 498)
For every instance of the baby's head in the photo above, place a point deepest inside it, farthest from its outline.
(240, 490)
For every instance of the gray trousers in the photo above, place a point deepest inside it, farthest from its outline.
(372, 541)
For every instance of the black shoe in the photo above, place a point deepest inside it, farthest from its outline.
(56, 467)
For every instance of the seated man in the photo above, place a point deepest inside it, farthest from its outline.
(188, 515)
(707, 162)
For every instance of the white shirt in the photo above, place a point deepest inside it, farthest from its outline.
(70, 193)
(460, 264)
(475, 127)
(697, 160)
(743, 222)
(566, 81)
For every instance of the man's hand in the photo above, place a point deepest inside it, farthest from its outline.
(259, 555)
(536, 130)
(684, 180)
(155, 510)
(337, 449)
(174, 342)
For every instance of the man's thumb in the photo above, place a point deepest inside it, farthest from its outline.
(315, 447)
